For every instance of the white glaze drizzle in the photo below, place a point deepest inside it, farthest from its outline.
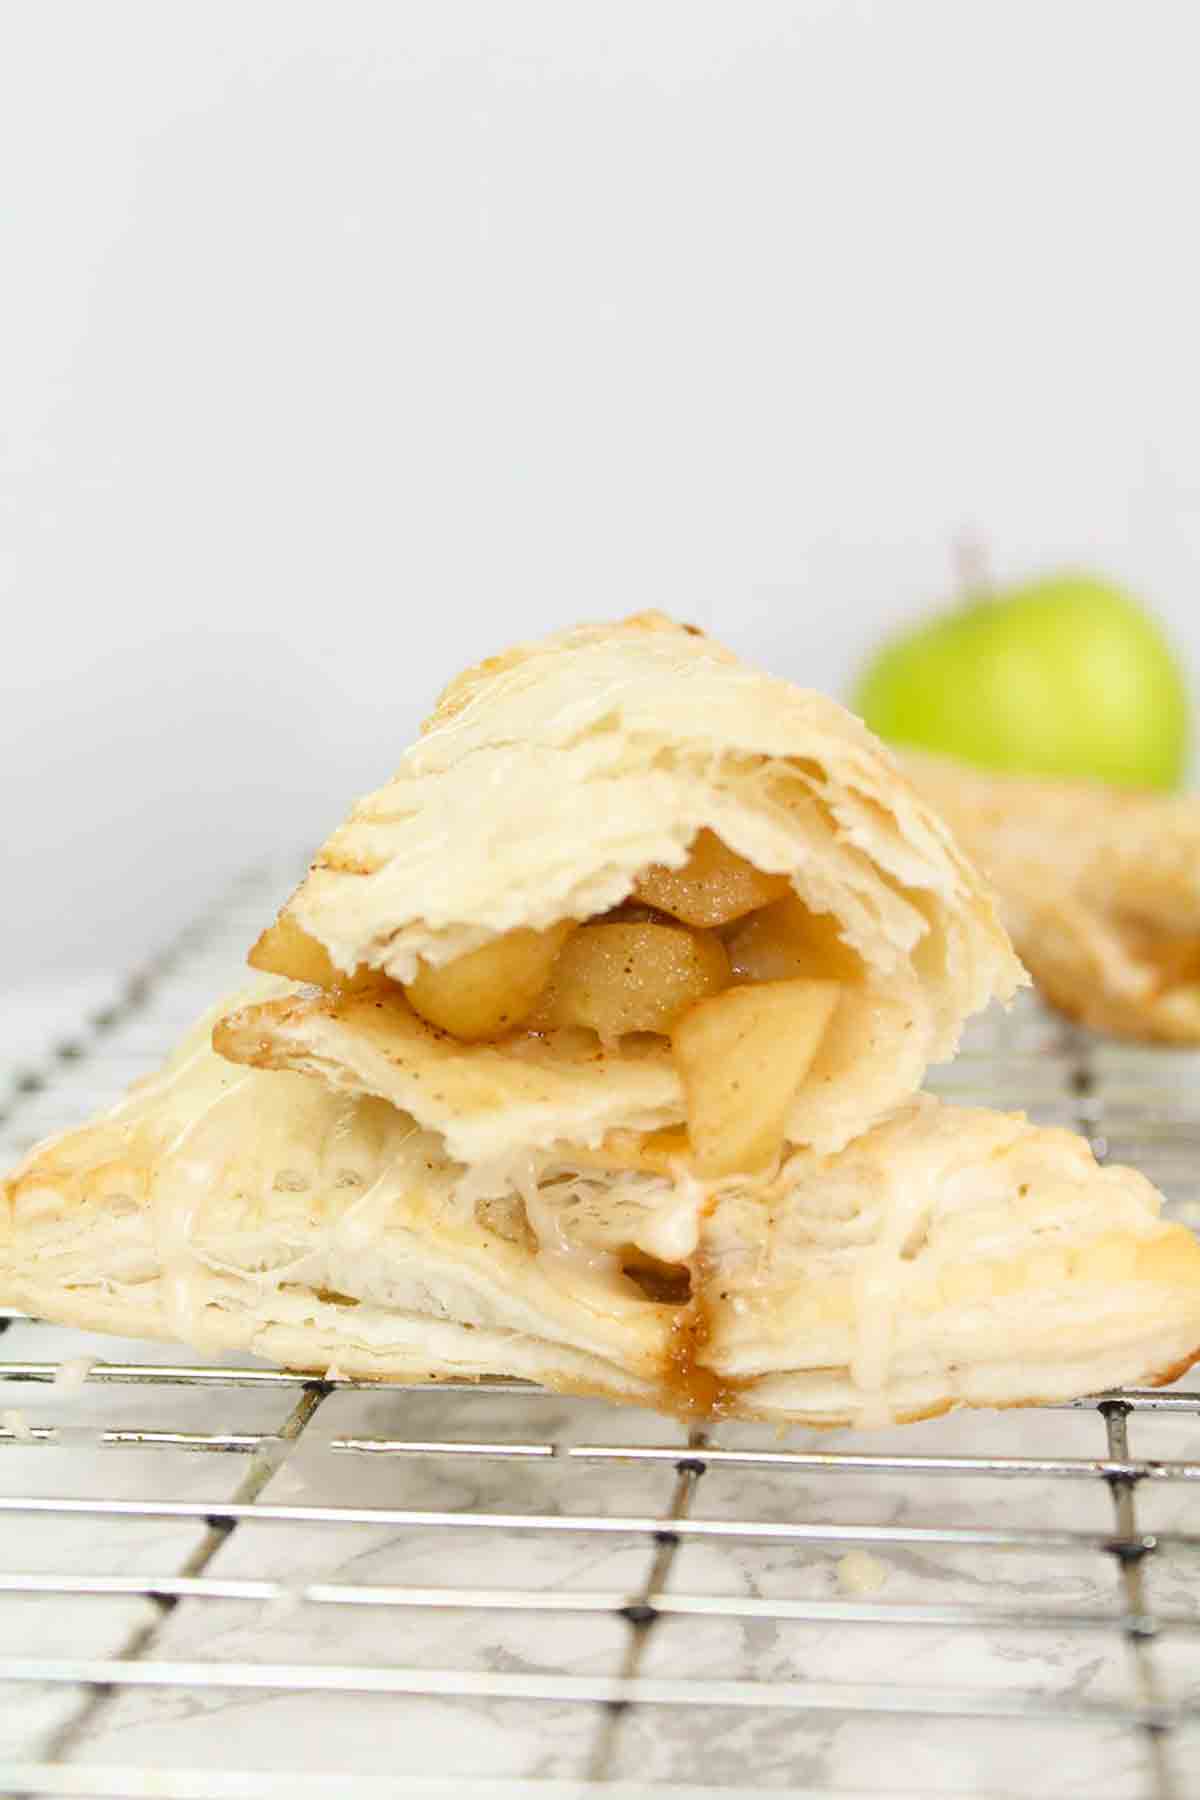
(358, 1228)
(186, 1174)
(879, 1277)
(592, 1274)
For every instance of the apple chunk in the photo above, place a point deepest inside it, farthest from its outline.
(742, 1057)
(713, 887)
(492, 990)
(285, 948)
(624, 977)
(787, 940)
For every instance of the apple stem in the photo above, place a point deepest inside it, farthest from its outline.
(971, 567)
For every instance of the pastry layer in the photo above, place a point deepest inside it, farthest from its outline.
(951, 1256)
(948, 1257)
(532, 1091)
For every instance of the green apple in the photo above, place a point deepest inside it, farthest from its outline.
(1063, 676)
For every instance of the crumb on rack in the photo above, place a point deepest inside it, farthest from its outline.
(71, 1375)
(861, 1573)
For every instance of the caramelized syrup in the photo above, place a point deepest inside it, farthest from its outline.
(689, 1388)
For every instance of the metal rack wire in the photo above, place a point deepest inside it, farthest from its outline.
(216, 1532)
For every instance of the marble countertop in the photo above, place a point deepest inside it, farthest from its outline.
(798, 1673)
(518, 1594)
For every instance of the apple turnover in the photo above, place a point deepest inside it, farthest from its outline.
(614, 864)
(589, 1051)
(1099, 887)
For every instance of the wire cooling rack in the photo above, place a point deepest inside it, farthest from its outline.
(220, 1578)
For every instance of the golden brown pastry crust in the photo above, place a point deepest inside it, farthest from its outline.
(546, 781)
(550, 776)
(1099, 888)
(950, 1257)
(484, 1099)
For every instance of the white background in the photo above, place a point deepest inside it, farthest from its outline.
(340, 344)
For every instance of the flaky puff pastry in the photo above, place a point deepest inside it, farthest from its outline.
(1099, 887)
(229, 1209)
(950, 1257)
(546, 783)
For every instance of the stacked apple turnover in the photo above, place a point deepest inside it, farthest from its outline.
(590, 1051)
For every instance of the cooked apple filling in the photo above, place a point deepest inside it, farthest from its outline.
(719, 957)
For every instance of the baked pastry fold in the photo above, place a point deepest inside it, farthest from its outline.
(1099, 887)
(948, 1257)
(951, 1257)
(226, 1209)
(633, 775)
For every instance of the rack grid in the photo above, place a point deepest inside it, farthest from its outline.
(482, 1588)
